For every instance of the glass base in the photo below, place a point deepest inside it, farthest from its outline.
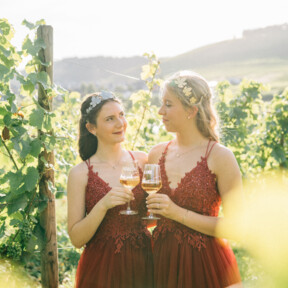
(128, 212)
(152, 217)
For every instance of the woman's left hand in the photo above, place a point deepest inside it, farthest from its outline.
(161, 204)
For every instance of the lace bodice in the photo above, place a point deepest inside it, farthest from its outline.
(118, 227)
(197, 191)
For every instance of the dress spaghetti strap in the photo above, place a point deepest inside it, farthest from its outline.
(133, 158)
(209, 149)
(131, 155)
(166, 148)
(88, 163)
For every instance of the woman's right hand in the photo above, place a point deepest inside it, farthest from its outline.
(117, 196)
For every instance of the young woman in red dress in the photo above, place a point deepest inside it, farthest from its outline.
(117, 250)
(198, 174)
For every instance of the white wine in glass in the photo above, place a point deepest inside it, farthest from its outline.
(151, 183)
(151, 187)
(129, 178)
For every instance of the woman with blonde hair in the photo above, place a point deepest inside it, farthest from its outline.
(198, 174)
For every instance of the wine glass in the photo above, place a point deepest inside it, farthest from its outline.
(151, 183)
(129, 178)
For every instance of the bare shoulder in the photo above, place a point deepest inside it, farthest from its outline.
(78, 174)
(141, 157)
(222, 151)
(221, 157)
(156, 152)
(78, 169)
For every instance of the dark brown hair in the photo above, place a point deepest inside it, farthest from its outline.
(87, 142)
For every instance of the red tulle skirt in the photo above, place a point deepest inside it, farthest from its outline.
(99, 266)
(182, 266)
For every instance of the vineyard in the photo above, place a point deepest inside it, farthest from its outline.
(255, 130)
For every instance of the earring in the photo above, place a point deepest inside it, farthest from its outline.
(189, 117)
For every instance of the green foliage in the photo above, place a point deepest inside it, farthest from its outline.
(26, 133)
(251, 272)
(68, 255)
(13, 275)
(253, 129)
(276, 131)
(144, 127)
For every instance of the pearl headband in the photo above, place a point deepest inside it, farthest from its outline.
(97, 99)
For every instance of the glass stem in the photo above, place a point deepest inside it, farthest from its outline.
(128, 206)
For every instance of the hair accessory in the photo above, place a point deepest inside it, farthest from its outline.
(97, 99)
(192, 100)
(181, 84)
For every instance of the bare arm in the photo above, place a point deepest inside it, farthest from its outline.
(81, 227)
(230, 188)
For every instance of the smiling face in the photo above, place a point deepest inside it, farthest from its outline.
(111, 124)
(174, 115)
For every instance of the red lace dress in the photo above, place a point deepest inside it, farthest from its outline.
(183, 257)
(119, 255)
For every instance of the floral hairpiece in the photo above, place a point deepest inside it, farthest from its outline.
(187, 91)
(97, 99)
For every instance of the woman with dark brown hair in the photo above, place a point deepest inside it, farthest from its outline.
(117, 250)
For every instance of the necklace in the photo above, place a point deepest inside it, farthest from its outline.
(178, 155)
(114, 165)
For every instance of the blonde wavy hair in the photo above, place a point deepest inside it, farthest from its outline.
(193, 90)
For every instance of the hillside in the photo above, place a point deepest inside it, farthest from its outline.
(73, 72)
(261, 54)
(271, 42)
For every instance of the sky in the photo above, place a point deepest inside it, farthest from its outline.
(124, 28)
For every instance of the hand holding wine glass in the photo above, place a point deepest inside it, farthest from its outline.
(151, 183)
(129, 178)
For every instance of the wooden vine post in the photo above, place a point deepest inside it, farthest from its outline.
(49, 254)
